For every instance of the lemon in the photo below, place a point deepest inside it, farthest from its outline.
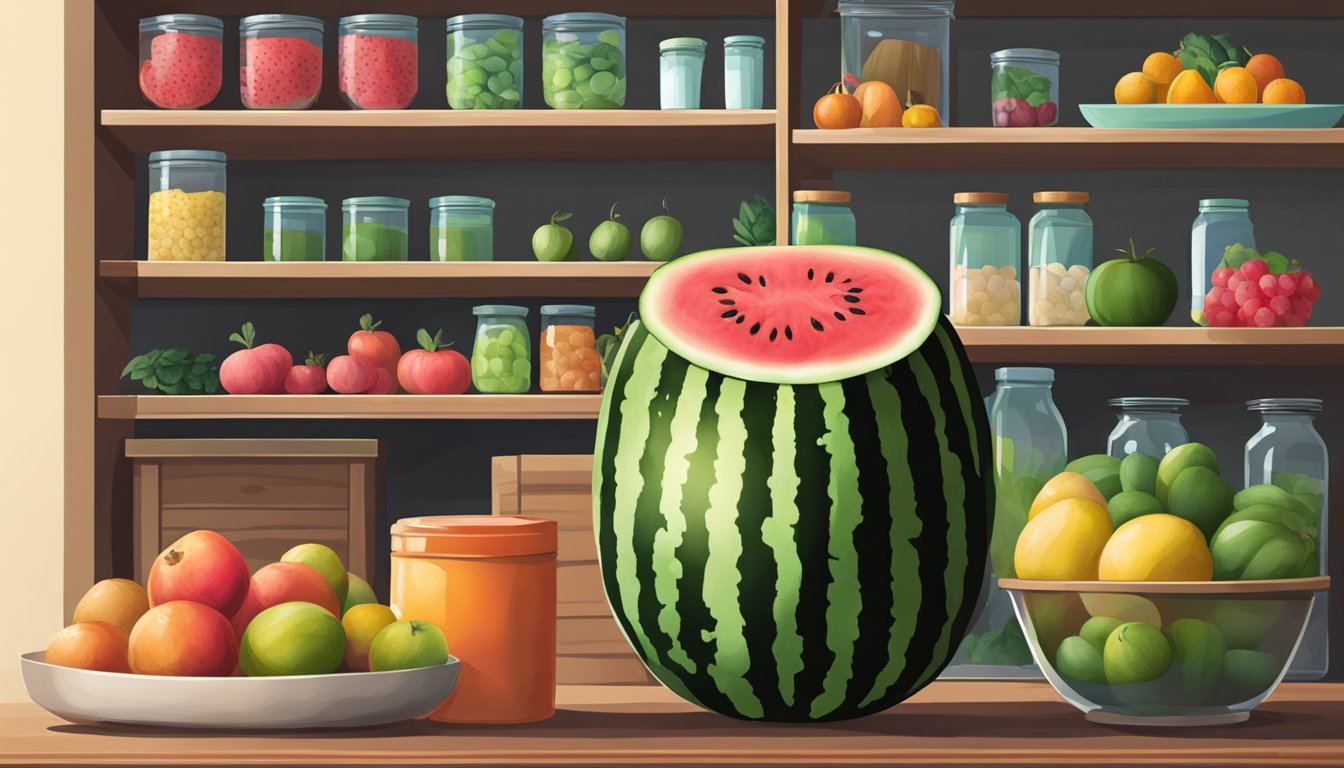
(1156, 548)
(1065, 485)
(1063, 542)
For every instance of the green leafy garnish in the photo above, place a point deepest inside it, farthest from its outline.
(608, 344)
(755, 222)
(174, 371)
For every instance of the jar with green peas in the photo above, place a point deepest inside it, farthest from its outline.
(583, 61)
(501, 357)
(485, 61)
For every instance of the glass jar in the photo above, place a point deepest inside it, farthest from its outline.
(1030, 446)
(822, 217)
(1222, 221)
(1288, 452)
(378, 67)
(583, 61)
(485, 61)
(681, 63)
(374, 228)
(569, 359)
(295, 229)
(1061, 259)
(186, 205)
(280, 58)
(181, 60)
(501, 357)
(743, 72)
(1024, 87)
(1149, 425)
(986, 251)
(903, 43)
(461, 228)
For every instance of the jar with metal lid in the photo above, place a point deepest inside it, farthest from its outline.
(1289, 453)
(461, 228)
(489, 583)
(743, 72)
(681, 64)
(181, 60)
(1222, 222)
(186, 205)
(501, 357)
(822, 217)
(1061, 259)
(1024, 87)
(986, 252)
(583, 61)
(485, 61)
(295, 229)
(374, 228)
(1149, 425)
(569, 359)
(903, 43)
(378, 66)
(280, 61)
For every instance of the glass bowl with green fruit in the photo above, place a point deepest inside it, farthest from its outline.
(1164, 653)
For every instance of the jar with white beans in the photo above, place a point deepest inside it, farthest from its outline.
(986, 254)
(1060, 258)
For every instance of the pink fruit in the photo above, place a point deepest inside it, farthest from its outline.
(1255, 269)
(1288, 284)
(203, 567)
(1264, 317)
(1252, 306)
(384, 383)
(1047, 114)
(184, 71)
(350, 375)
(1235, 279)
(1280, 305)
(307, 379)
(378, 71)
(1020, 113)
(1269, 285)
(280, 583)
(1229, 300)
(1221, 274)
(1312, 293)
(280, 73)
(258, 370)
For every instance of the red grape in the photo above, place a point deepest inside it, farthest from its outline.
(1255, 269)
(1287, 283)
(1280, 305)
(1269, 285)
(1311, 293)
(1221, 274)
(1229, 300)
(1234, 280)
(1264, 317)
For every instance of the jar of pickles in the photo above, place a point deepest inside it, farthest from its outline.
(295, 229)
(583, 64)
(501, 357)
(743, 72)
(186, 205)
(181, 60)
(986, 250)
(374, 228)
(1148, 425)
(822, 217)
(461, 228)
(485, 61)
(681, 64)
(378, 66)
(1061, 259)
(280, 61)
(568, 354)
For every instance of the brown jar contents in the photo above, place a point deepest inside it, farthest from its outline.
(569, 360)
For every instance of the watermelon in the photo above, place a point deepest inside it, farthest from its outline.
(792, 526)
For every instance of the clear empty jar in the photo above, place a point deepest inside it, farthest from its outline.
(374, 228)
(1148, 425)
(501, 357)
(485, 61)
(461, 228)
(181, 60)
(186, 205)
(583, 61)
(822, 217)
(986, 251)
(681, 66)
(378, 67)
(295, 229)
(280, 61)
(568, 356)
(1061, 259)
(743, 72)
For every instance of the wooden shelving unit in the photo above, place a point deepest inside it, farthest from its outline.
(1132, 9)
(1155, 346)
(532, 407)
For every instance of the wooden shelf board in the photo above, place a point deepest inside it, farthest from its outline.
(437, 9)
(439, 134)
(1034, 148)
(1085, 9)
(948, 723)
(489, 407)
(1157, 346)
(408, 279)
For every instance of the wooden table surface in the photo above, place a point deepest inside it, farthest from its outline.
(950, 723)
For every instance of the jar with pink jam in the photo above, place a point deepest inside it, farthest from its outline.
(378, 65)
(181, 60)
(280, 61)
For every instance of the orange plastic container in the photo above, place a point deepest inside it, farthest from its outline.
(488, 582)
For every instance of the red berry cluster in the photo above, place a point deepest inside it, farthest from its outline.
(1252, 296)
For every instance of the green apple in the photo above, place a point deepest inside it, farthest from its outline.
(326, 562)
(292, 639)
(408, 645)
(359, 593)
(611, 240)
(553, 242)
(660, 239)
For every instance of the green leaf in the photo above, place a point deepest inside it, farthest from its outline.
(170, 374)
(176, 354)
(1278, 263)
(366, 322)
(205, 357)
(1237, 254)
(742, 229)
(246, 338)
(140, 373)
(739, 239)
(1195, 43)
(151, 381)
(212, 383)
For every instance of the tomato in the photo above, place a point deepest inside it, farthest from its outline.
(350, 375)
(377, 348)
(253, 370)
(433, 369)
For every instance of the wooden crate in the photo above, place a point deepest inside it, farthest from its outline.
(592, 649)
(263, 495)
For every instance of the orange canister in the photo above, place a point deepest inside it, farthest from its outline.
(488, 581)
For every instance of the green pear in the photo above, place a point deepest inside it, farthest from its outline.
(553, 242)
(611, 239)
(660, 239)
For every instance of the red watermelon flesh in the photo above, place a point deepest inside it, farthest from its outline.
(280, 73)
(791, 315)
(378, 71)
(184, 71)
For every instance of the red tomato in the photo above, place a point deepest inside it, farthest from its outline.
(350, 375)
(377, 348)
(433, 369)
(307, 379)
(254, 370)
(384, 383)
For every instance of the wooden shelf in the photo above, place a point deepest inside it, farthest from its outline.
(1130, 9)
(1155, 346)
(1035, 148)
(437, 9)
(407, 279)
(445, 134)
(948, 723)
(492, 407)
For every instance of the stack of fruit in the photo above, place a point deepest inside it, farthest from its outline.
(874, 104)
(203, 615)
(1261, 291)
(1209, 69)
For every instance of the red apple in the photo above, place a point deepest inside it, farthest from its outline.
(350, 375)
(183, 639)
(254, 370)
(434, 369)
(377, 348)
(307, 379)
(284, 583)
(202, 567)
(384, 383)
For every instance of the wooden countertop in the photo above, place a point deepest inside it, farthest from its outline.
(950, 723)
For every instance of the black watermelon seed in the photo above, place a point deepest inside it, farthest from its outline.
(774, 333)
(851, 299)
(788, 333)
(817, 324)
(855, 290)
(739, 319)
(719, 290)
(857, 311)
(727, 302)
(847, 280)
(744, 278)
(830, 276)
(761, 280)
(729, 313)
(755, 329)
(840, 316)
(809, 274)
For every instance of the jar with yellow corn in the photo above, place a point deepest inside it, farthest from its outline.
(569, 359)
(186, 205)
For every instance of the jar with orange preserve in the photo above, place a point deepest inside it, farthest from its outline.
(569, 359)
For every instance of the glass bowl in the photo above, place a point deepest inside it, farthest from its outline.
(1164, 653)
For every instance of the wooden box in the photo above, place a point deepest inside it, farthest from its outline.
(263, 495)
(591, 647)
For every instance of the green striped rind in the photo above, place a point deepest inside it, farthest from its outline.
(800, 552)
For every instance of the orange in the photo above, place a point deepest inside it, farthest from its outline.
(1135, 88)
(1161, 68)
(89, 645)
(1285, 91)
(1189, 88)
(119, 602)
(921, 116)
(837, 110)
(1265, 69)
(1235, 86)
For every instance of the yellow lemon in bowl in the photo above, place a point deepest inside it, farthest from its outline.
(1156, 548)
(1065, 485)
(1063, 542)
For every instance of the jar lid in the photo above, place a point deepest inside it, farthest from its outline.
(1223, 202)
(1285, 405)
(1061, 197)
(478, 535)
(1148, 403)
(1025, 375)
(390, 202)
(295, 200)
(980, 198)
(571, 310)
(204, 23)
(484, 20)
(279, 21)
(188, 156)
(394, 20)
(1039, 55)
(461, 201)
(499, 310)
(820, 196)
(746, 40)
(896, 8)
(583, 20)
(683, 44)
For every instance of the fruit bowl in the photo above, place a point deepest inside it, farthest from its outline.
(1212, 115)
(1164, 653)
(346, 700)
